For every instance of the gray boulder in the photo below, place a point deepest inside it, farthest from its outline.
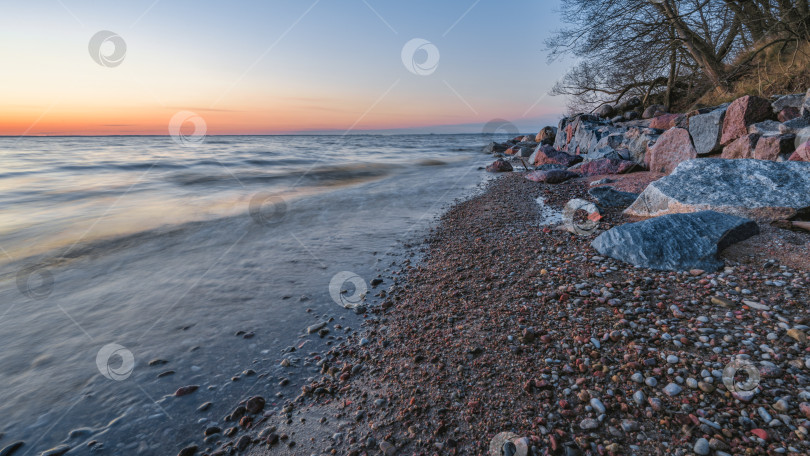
(765, 128)
(758, 189)
(793, 126)
(494, 148)
(649, 113)
(606, 111)
(676, 242)
(706, 130)
(638, 140)
(608, 196)
(788, 101)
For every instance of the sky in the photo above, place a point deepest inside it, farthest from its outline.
(81, 67)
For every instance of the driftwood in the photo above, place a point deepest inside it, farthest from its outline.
(790, 225)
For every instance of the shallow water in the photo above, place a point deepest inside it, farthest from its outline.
(168, 251)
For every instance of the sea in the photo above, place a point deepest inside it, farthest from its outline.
(132, 266)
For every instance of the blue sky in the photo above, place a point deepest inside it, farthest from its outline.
(277, 66)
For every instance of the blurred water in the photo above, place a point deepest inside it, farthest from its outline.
(169, 251)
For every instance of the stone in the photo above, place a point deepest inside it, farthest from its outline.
(606, 166)
(742, 147)
(741, 113)
(705, 130)
(672, 389)
(676, 242)
(628, 104)
(788, 113)
(788, 101)
(499, 166)
(495, 148)
(802, 153)
(387, 448)
(312, 329)
(765, 128)
(762, 190)
(598, 406)
(638, 141)
(188, 451)
(672, 148)
(546, 136)
(186, 390)
(610, 197)
(702, 447)
(630, 115)
(798, 335)
(588, 423)
(56, 451)
(255, 404)
(547, 155)
(775, 148)
(11, 448)
(666, 121)
(606, 111)
(630, 426)
(552, 176)
(651, 111)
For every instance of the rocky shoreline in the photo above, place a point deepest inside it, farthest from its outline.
(508, 325)
(514, 334)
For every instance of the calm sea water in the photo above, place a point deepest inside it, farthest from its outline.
(121, 250)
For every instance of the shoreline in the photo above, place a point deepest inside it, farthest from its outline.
(463, 348)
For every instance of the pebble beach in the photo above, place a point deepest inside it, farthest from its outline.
(503, 328)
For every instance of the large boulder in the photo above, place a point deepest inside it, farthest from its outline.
(793, 125)
(499, 166)
(741, 113)
(765, 128)
(676, 242)
(608, 196)
(639, 140)
(667, 121)
(628, 104)
(788, 101)
(673, 147)
(652, 110)
(776, 148)
(706, 129)
(544, 155)
(494, 148)
(763, 190)
(742, 147)
(788, 113)
(802, 153)
(606, 166)
(546, 136)
(606, 111)
(523, 149)
(552, 176)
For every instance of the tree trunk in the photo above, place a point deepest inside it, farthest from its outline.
(673, 70)
(700, 50)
